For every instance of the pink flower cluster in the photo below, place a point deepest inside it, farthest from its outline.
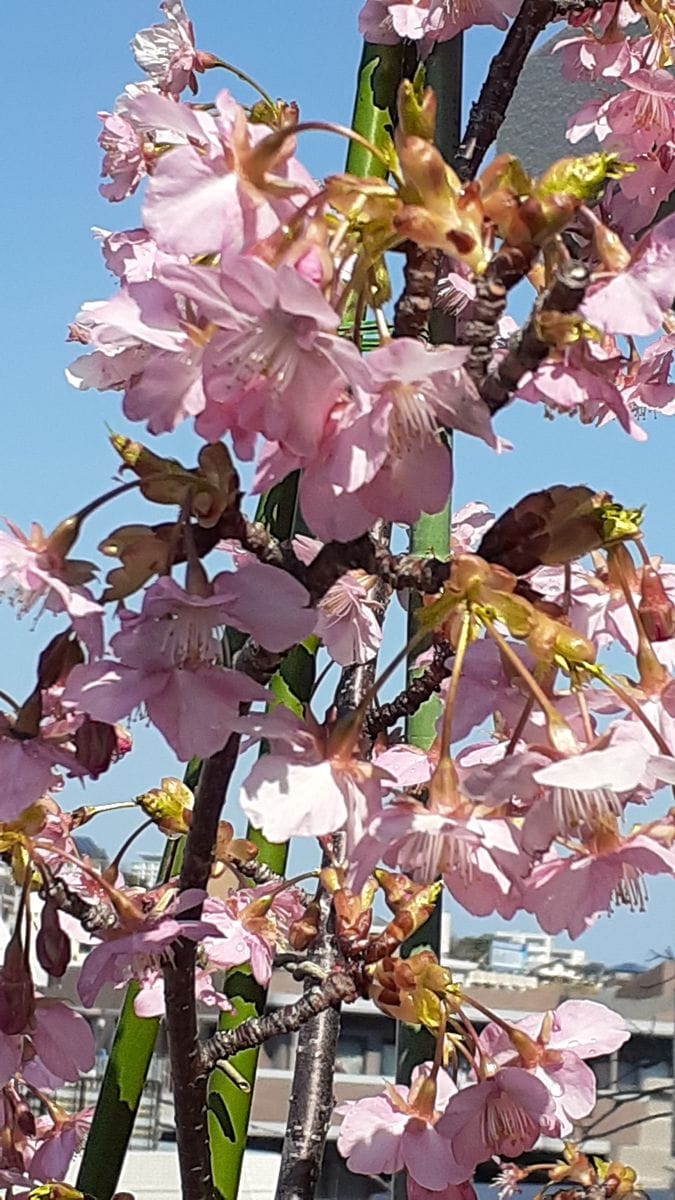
(529, 1079)
(638, 119)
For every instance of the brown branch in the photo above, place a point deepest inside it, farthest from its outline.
(413, 697)
(528, 349)
(258, 872)
(506, 269)
(413, 307)
(92, 917)
(488, 112)
(188, 1068)
(223, 1045)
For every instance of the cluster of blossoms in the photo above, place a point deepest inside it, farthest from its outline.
(241, 306)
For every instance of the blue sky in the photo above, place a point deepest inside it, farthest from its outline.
(74, 60)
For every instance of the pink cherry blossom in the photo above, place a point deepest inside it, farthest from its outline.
(383, 456)
(131, 255)
(634, 202)
(347, 614)
(469, 524)
(554, 1047)
(144, 344)
(35, 568)
(569, 893)
(279, 795)
(634, 301)
(167, 52)
(274, 365)
(479, 860)
(246, 930)
(128, 952)
(387, 22)
(149, 1000)
(59, 1041)
(590, 786)
(58, 1140)
(449, 17)
(583, 379)
(500, 1115)
(216, 194)
(612, 56)
(169, 655)
(397, 1129)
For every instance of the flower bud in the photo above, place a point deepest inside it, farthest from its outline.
(96, 746)
(657, 612)
(416, 111)
(52, 945)
(169, 806)
(304, 931)
(62, 539)
(17, 996)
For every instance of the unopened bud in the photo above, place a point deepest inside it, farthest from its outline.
(657, 612)
(423, 1097)
(52, 945)
(304, 931)
(169, 806)
(17, 995)
(96, 746)
(416, 111)
(610, 249)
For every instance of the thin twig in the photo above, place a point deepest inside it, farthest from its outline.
(336, 989)
(527, 349)
(413, 697)
(93, 917)
(488, 112)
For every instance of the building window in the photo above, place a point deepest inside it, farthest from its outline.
(279, 1052)
(351, 1055)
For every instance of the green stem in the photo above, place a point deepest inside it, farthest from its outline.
(430, 535)
(126, 1071)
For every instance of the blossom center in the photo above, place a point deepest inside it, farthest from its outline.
(413, 417)
(268, 348)
(189, 640)
(507, 1127)
(631, 890)
(573, 807)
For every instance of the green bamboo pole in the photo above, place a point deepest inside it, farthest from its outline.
(379, 75)
(126, 1070)
(431, 536)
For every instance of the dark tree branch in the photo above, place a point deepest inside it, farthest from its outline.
(311, 1100)
(413, 697)
(336, 989)
(527, 349)
(488, 112)
(93, 917)
(506, 269)
(188, 1068)
(413, 307)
